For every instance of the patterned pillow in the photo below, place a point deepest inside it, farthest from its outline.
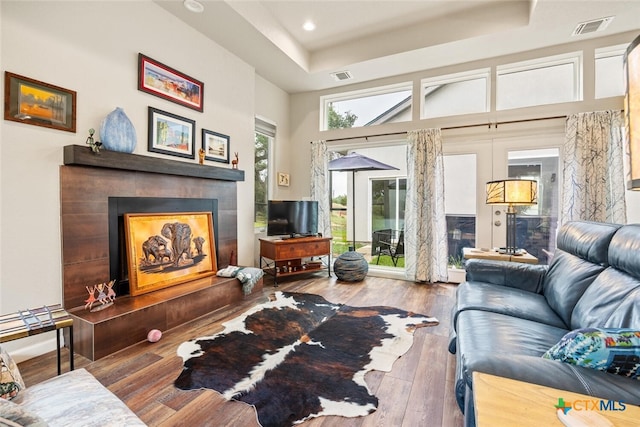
(10, 380)
(616, 351)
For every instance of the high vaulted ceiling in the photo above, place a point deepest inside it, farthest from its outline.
(376, 39)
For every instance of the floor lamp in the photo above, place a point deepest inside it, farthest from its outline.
(512, 192)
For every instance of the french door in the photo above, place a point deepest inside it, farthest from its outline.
(471, 162)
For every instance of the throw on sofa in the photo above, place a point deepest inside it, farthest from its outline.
(73, 399)
(509, 315)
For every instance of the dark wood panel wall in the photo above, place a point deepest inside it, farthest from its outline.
(84, 193)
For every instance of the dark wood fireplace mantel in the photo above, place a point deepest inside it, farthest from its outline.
(79, 155)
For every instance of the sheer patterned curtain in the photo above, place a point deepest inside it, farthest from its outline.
(593, 178)
(320, 185)
(425, 227)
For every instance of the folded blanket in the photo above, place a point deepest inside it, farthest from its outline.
(248, 276)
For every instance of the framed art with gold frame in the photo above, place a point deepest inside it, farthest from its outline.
(165, 249)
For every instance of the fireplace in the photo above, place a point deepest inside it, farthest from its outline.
(118, 206)
(95, 191)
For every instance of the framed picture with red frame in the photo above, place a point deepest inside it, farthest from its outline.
(165, 82)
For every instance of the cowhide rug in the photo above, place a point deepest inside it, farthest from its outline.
(299, 356)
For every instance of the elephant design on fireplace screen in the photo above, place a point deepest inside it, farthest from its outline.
(166, 249)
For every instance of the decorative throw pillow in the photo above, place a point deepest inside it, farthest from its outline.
(10, 380)
(616, 351)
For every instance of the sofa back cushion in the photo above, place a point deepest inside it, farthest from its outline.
(581, 255)
(613, 300)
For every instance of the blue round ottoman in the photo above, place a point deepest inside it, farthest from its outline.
(350, 267)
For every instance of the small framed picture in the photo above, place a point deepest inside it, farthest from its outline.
(283, 179)
(38, 103)
(215, 146)
(165, 82)
(171, 134)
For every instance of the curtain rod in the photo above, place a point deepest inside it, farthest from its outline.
(496, 124)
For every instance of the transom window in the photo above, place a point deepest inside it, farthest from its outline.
(542, 81)
(609, 79)
(455, 94)
(386, 104)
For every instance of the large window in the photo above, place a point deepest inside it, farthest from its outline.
(369, 107)
(542, 81)
(265, 133)
(456, 94)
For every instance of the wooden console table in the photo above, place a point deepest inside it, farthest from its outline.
(285, 257)
(26, 323)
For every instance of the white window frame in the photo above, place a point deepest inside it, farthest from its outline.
(325, 100)
(455, 78)
(574, 58)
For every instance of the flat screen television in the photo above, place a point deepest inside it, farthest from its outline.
(292, 217)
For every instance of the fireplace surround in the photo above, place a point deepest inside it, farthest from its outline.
(87, 184)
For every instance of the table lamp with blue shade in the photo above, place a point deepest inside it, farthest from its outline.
(512, 192)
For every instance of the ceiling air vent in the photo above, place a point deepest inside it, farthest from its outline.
(592, 26)
(341, 75)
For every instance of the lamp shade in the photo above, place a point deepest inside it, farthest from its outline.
(512, 192)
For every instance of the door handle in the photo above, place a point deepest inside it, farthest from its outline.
(497, 223)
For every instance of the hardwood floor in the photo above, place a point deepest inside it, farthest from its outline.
(419, 391)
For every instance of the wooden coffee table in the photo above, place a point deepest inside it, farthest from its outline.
(502, 401)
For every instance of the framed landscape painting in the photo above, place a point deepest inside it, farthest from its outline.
(38, 103)
(165, 249)
(215, 146)
(171, 134)
(165, 82)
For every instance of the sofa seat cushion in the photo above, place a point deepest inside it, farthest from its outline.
(504, 300)
(616, 351)
(76, 398)
(554, 374)
(499, 333)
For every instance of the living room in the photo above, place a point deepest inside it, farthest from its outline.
(92, 48)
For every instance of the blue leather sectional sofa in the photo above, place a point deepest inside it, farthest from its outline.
(508, 315)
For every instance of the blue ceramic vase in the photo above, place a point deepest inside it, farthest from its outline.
(117, 132)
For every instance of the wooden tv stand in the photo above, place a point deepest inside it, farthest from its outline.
(285, 257)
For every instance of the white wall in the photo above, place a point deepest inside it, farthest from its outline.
(92, 48)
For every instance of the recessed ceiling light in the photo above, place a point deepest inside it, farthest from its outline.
(193, 6)
(309, 26)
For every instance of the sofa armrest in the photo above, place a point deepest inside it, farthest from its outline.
(528, 277)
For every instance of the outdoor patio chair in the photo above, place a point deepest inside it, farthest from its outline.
(388, 242)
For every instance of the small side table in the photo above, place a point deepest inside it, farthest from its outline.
(471, 253)
(26, 323)
(502, 401)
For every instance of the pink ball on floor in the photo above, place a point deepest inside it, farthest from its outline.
(154, 335)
